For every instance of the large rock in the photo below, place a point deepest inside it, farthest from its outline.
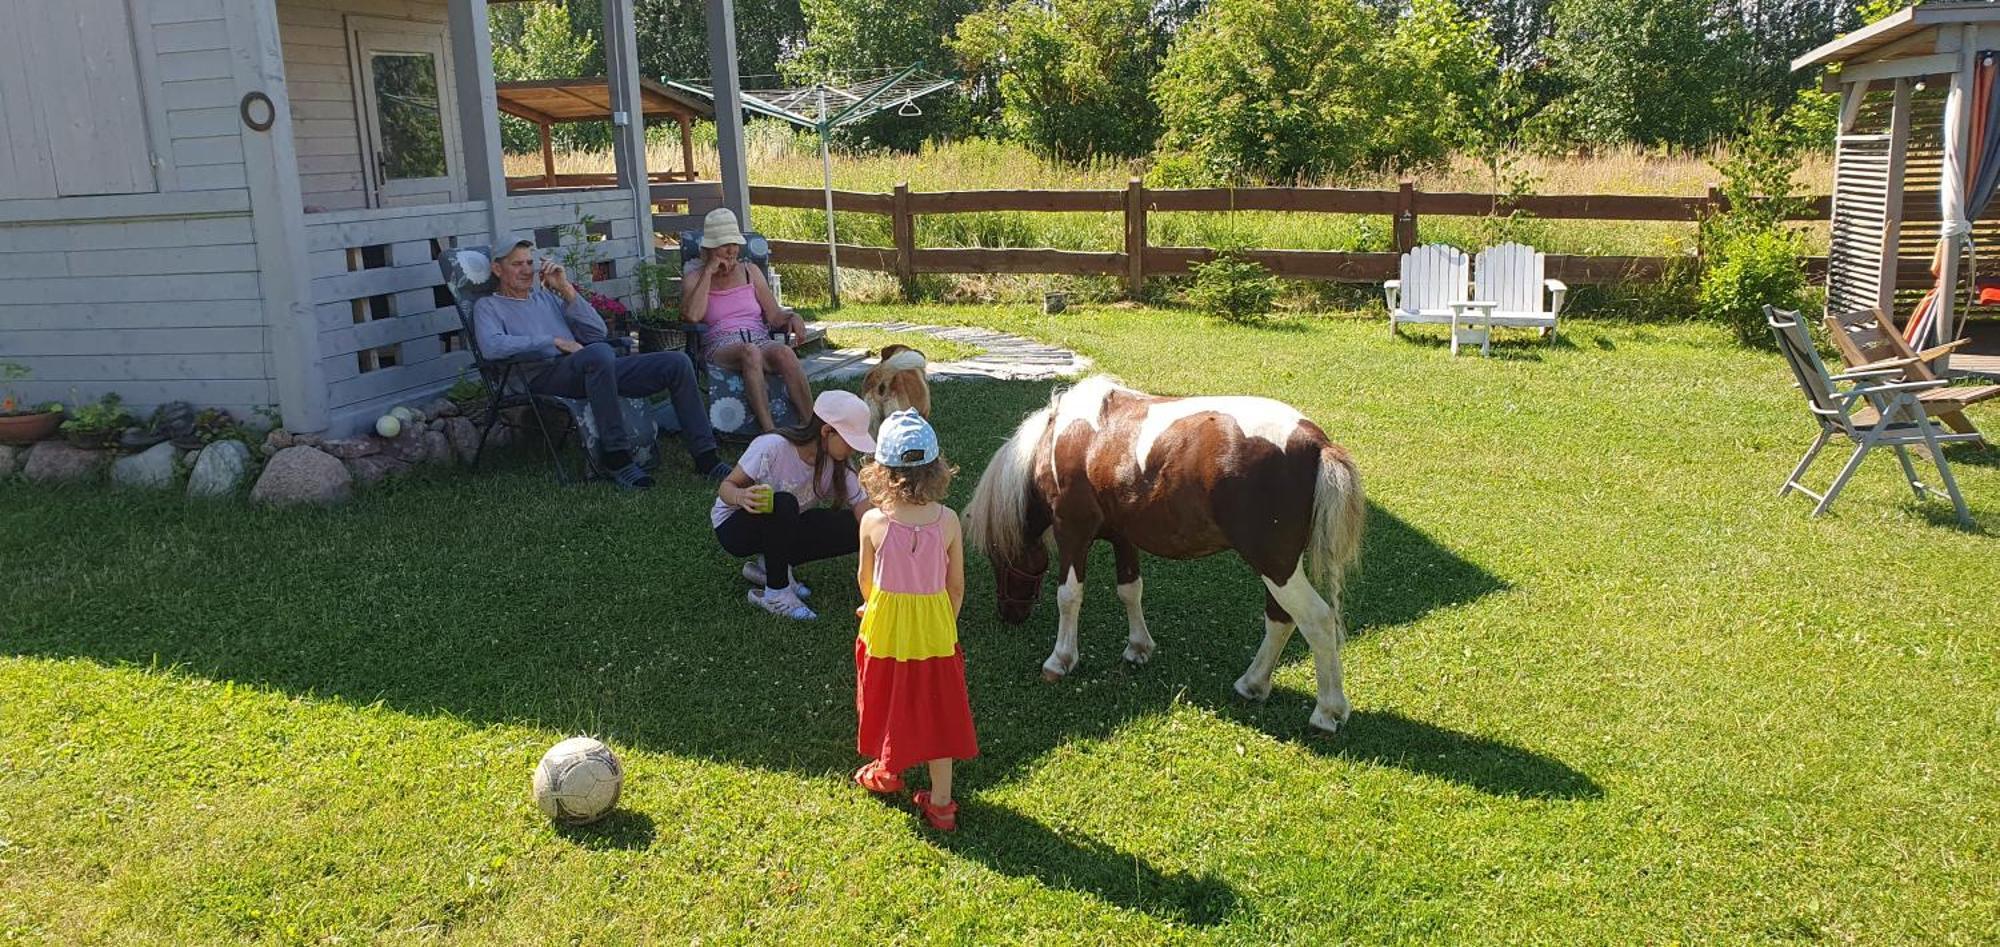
(408, 448)
(152, 469)
(58, 462)
(303, 475)
(437, 448)
(464, 437)
(375, 468)
(219, 470)
(441, 408)
(10, 459)
(349, 448)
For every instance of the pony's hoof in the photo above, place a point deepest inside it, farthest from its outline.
(1050, 677)
(1249, 693)
(1058, 666)
(1326, 723)
(1136, 653)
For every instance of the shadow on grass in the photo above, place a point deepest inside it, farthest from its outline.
(1014, 844)
(508, 600)
(1387, 738)
(1514, 344)
(623, 830)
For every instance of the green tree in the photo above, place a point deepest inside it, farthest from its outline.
(540, 41)
(1660, 73)
(1290, 89)
(1074, 76)
(845, 37)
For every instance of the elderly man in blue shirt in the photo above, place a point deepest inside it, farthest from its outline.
(555, 323)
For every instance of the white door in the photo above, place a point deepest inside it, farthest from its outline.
(409, 120)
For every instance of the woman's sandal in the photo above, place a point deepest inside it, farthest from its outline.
(872, 777)
(943, 818)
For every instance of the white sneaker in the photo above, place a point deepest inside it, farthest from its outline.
(753, 573)
(781, 603)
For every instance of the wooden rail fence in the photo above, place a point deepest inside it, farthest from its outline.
(1138, 259)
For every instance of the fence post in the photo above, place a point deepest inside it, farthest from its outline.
(1717, 203)
(1406, 217)
(1135, 237)
(904, 227)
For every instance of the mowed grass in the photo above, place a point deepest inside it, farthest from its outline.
(1608, 689)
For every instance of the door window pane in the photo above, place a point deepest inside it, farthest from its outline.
(406, 109)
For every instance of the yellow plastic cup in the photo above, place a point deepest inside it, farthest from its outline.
(761, 497)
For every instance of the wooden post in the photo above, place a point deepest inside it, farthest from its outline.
(728, 109)
(479, 114)
(1406, 217)
(904, 227)
(687, 149)
(1892, 198)
(1135, 237)
(622, 75)
(548, 156)
(277, 218)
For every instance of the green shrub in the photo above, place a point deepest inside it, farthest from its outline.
(1746, 270)
(1233, 289)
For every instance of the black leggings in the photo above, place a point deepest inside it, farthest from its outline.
(787, 537)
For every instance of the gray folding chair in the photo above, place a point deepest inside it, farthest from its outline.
(1893, 416)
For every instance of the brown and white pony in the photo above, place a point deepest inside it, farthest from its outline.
(896, 382)
(1181, 478)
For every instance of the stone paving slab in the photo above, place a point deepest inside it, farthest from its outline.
(1007, 357)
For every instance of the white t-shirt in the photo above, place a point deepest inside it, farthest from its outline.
(772, 459)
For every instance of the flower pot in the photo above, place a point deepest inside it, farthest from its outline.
(661, 338)
(23, 429)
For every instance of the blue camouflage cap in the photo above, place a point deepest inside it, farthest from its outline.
(905, 440)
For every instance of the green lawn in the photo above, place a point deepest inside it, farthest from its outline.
(1608, 688)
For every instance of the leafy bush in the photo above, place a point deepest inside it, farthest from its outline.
(1233, 289)
(1748, 269)
(98, 417)
(1280, 90)
(1074, 75)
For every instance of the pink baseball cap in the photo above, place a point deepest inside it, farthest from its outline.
(849, 415)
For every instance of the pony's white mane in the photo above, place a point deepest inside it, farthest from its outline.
(995, 520)
(998, 514)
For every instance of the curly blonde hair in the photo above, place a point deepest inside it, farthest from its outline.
(909, 486)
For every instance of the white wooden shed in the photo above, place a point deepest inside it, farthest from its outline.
(238, 203)
(1915, 163)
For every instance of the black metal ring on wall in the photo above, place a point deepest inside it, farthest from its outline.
(270, 109)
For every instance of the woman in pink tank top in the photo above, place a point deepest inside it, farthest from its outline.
(736, 302)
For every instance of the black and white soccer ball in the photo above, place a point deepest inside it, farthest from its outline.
(578, 781)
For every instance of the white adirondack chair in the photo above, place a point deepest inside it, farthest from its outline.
(1434, 276)
(1512, 277)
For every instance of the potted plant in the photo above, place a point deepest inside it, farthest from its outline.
(660, 331)
(20, 422)
(98, 424)
(613, 311)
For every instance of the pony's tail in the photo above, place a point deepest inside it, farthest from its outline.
(1339, 512)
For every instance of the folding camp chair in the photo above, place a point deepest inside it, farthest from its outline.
(729, 399)
(1893, 416)
(468, 273)
(1868, 340)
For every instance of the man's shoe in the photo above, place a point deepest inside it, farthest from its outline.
(631, 477)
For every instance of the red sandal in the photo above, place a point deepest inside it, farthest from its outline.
(943, 818)
(872, 777)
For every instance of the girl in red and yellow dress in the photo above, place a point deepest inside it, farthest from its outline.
(909, 670)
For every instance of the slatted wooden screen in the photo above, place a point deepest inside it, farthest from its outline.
(1860, 204)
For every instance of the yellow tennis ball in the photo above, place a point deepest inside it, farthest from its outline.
(388, 426)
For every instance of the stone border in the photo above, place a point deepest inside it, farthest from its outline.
(1007, 357)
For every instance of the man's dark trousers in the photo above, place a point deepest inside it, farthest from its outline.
(597, 373)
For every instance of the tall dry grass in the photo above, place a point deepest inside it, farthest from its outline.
(778, 155)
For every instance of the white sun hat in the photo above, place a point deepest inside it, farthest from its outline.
(719, 228)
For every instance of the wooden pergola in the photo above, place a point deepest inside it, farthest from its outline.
(1913, 145)
(550, 102)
